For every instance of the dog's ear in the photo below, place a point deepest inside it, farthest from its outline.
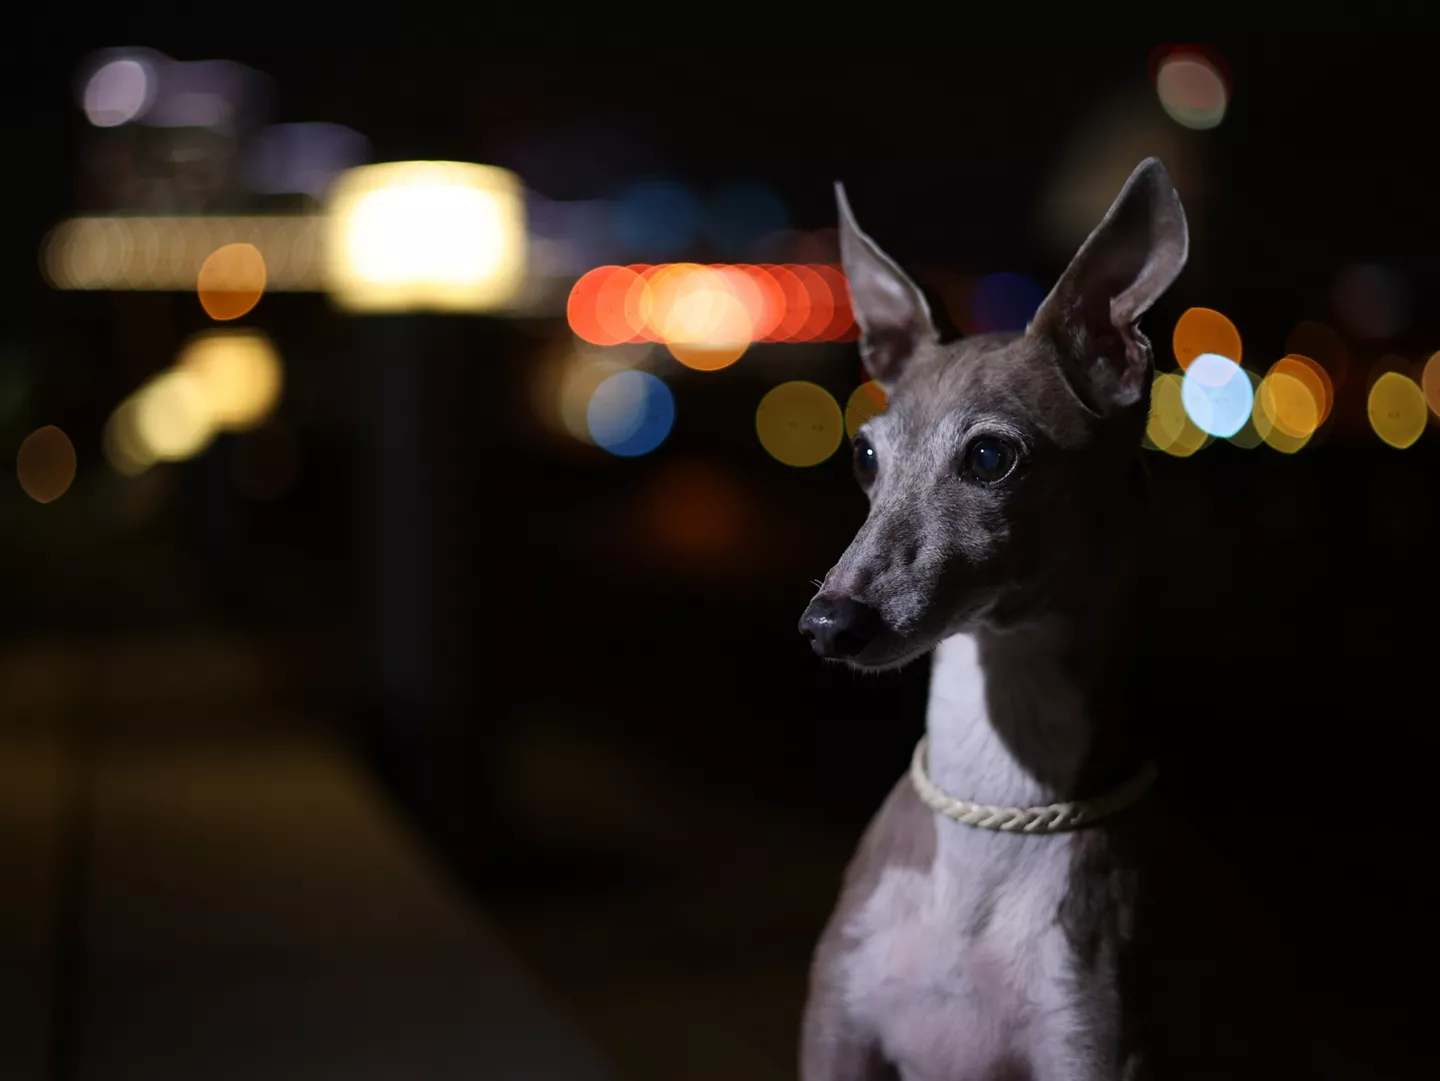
(891, 311)
(1124, 266)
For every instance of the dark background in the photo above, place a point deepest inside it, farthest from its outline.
(617, 743)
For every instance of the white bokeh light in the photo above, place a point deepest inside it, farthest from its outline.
(1217, 395)
(119, 92)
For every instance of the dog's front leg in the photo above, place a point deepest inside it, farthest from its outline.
(836, 1047)
(835, 1044)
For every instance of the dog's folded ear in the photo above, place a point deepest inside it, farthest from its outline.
(1092, 314)
(891, 311)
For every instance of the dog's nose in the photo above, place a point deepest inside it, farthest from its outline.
(839, 626)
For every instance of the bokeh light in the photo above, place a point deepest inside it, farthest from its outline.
(799, 423)
(45, 464)
(700, 313)
(1248, 437)
(240, 373)
(1397, 409)
(1004, 302)
(708, 315)
(172, 416)
(1169, 427)
(1216, 395)
(1430, 383)
(597, 306)
(1192, 89)
(630, 413)
(1317, 382)
(842, 326)
(1204, 330)
(866, 401)
(425, 236)
(119, 91)
(231, 281)
(135, 252)
(821, 304)
(127, 454)
(1372, 301)
(564, 387)
(1286, 411)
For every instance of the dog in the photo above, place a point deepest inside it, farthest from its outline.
(996, 922)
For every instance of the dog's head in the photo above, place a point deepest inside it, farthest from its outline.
(994, 470)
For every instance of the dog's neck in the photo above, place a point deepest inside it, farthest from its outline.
(1040, 712)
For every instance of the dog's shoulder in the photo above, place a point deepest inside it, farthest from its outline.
(901, 835)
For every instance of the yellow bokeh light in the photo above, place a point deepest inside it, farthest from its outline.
(1316, 379)
(45, 464)
(172, 416)
(1204, 330)
(121, 442)
(866, 400)
(129, 252)
(582, 374)
(799, 423)
(1430, 383)
(1285, 413)
(1289, 402)
(231, 281)
(1397, 409)
(1169, 427)
(425, 236)
(240, 373)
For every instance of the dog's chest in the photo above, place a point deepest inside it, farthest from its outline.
(963, 970)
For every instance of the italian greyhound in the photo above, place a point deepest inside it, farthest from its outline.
(987, 925)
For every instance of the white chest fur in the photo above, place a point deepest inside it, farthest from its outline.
(966, 965)
(962, 969)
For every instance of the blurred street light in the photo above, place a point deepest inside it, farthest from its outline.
(425, 236)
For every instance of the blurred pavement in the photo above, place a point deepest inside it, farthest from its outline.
(198, 884)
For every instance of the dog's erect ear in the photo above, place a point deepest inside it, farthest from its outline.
(1124, 266)
(890, 309)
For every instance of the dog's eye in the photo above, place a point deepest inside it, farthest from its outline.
(865, 461)
(989, 459)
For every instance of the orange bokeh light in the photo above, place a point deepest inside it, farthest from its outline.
(231, 281)
(45, 464)
(1315, 378)
(797, 303)
(711, 311)
(772, 301)
(582, 307)
(1204, 330)
(842, 318)
(822, 304)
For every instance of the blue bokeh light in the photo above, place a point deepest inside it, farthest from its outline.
(630, 413)
(1004, 302)
(657, 221)
(1217, 395)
